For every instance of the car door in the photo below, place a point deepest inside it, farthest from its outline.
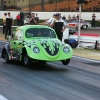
(17, 42)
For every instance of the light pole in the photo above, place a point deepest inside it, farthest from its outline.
(80, 2)
(79, 28)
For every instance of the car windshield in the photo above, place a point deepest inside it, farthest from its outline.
(40, 32)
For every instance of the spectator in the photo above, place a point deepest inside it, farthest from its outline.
(18, 19)
(37, 18)
(26, 20)
(32, 19)
(59, 25)
(93, 20)
(4, 22)
(50, 20)
(69, 18)
(64, 19)
(9, 22)
(73, 17)
(77, 17)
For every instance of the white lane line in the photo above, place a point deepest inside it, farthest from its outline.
(3, 41)
(3, 98)
(87, 59)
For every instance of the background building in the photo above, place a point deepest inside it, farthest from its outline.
(49, 5)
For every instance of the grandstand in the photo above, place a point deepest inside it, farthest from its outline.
(52, 5)
(71, 5)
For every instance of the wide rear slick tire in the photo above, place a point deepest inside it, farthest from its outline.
(26, 59)
(5, 56)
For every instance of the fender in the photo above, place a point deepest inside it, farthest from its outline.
(7, 48)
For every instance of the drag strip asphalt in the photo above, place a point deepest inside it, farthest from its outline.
(80, 80)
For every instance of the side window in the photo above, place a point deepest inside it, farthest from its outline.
(18, 35)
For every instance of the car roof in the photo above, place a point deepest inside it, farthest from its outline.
(25, 27)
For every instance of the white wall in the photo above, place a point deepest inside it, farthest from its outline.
(13, 14)
(84, 15)
(46, 15)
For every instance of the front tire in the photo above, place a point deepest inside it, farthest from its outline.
(66, 61)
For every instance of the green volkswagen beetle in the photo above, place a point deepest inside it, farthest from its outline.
(38, 43)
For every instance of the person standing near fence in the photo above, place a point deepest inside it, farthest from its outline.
(69, 18)
(9, 22)
(93, 20)
(59, 26)
(37, 18)
(32, 19)
(18, 19)
(4, 22)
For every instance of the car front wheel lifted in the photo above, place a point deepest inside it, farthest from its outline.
(66, 61)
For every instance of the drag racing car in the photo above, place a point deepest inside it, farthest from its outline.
(30, 43)
(84, 24)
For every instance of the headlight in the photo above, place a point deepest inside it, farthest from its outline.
(36, 50)
(66, 49)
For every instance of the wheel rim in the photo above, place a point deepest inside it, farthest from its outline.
(84, 26)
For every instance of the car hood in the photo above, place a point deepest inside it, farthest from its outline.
(49, 46)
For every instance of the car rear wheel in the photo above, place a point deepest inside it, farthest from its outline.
(84, 27)
(26, 59)
(5, 55)
(66, 61)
